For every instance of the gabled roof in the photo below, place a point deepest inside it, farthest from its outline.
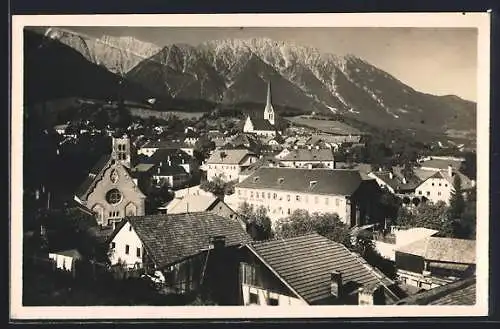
(396, 182)
(171, 238)
(466, 182)
(95, 174)
(461, 292)
(263, 162)
(334, 139)
(166, 170)
(443, 250)
(309, 155)
(261, 124)
(192, 203)
(143, 167)
(316, 181)
(163, 144)
(234, 157)
(442, 163)
(73, 204)
(96, 170)
(172, 154)
(305, 264)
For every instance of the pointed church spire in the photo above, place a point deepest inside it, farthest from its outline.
(268, 102)
(269, 111)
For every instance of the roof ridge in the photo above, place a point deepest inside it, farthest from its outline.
(275, 239)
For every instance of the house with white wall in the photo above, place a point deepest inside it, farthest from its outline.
(439, 185)
(228, 164)
(189, 250)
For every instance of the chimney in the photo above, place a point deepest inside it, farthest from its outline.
(317, 147)
(218, 241)
(336, 284)
(379, 169)
(371, 295)
(309, 147)
(309, 166)
(295, 147)
(391, 175)
(450, 171)
(404, 180)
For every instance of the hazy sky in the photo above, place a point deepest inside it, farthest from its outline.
(434, 60)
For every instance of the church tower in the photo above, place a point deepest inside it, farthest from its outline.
(121, 150)
(269, 111)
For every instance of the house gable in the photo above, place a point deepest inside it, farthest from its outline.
(113, 194)
(126, 246)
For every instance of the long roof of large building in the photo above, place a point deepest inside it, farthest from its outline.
(306, 262)
(315, 181)
(171, 238)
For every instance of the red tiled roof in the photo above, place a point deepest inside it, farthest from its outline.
(306, 262)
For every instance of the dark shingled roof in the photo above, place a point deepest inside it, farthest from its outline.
(461, 292)
(310, 155)
(261, 124)
(328, 181)
(172, 238)
(95, 171)
(306, 262)
(166, 170)
(233, 157)
(396, 182)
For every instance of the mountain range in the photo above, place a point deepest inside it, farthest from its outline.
(238, 70)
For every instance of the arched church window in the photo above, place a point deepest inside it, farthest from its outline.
(113, 176)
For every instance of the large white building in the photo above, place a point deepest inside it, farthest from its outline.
(283, 190)
(439, 185)
(227, 164)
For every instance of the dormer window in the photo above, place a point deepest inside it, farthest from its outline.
(256, 179)
(312, 183)
(281, 180)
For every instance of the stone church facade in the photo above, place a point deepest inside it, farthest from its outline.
(110, 190)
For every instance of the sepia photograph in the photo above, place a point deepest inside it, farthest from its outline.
(218, 163)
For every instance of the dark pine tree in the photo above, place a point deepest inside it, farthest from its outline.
(457, 202)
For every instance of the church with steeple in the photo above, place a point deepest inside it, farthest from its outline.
(266, 125)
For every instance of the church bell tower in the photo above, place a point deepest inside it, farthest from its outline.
(269, 111)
